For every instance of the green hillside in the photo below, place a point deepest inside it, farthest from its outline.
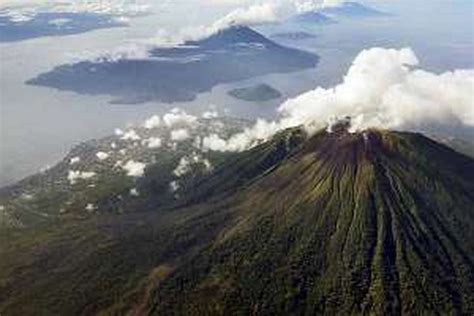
(377, 222)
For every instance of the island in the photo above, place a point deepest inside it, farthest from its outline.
(178, 74)
(258, 93)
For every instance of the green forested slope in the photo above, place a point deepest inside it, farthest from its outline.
(369, 223)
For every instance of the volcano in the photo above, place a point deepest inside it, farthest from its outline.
(352, 10)
(375, 222)
(178, 74)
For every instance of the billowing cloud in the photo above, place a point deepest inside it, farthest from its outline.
(153, 122)
(134, 168)
(74, 160)
(311, 5)
(210, 114)
(179, 135)
(130, 135)
(383, 88)
(153, 142)
(255, 13)
(178, 117)
(102, 155)
(252, 15)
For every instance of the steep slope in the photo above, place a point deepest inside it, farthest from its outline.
(376, 222)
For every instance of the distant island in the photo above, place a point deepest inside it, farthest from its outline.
(258, 93)
(176, 74)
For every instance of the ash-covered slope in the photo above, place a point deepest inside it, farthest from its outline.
(179, 73)
(376, 222)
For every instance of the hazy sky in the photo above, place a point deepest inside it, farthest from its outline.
(38, 125)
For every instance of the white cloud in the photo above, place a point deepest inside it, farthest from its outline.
(186, 162)
(102, 155)
(382, 89)
(152, 122)
(178, 117)
(73, 175)
(252, 13)
(153, 142)
(130, 135)
(109, 7)
(250, 137)
(118, 132)
(312, 5)
(74, 160)
(134, 192)
(179, 134)
(134, 168)
(210, 114)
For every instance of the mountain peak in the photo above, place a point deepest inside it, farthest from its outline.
(374, 222)
(352, 9)
(232, 35)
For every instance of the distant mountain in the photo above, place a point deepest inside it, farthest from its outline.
(351, 10)
(338, 223)
(180, 73)
(231, 37)
(313, 17)
(257, 93)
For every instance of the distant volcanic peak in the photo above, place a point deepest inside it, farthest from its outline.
(313, 17)
(352, 9)
(230, 36)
